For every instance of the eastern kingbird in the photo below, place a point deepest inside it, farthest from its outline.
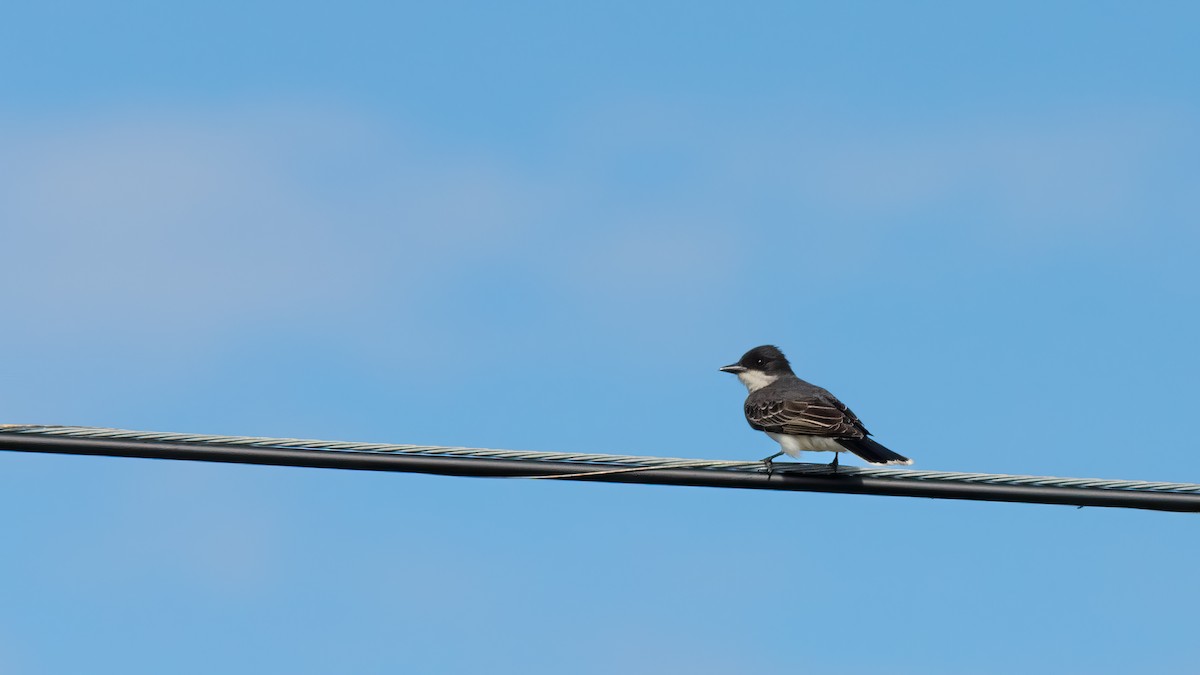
(801, 416)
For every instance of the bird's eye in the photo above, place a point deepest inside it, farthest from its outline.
(759, 361)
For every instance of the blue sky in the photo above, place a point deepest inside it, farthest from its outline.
(543, 226)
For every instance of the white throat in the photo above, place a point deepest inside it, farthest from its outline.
(756, 379)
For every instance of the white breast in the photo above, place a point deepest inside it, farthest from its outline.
(794, 445)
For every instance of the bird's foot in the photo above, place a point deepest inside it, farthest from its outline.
(769, 464)
(834, 464)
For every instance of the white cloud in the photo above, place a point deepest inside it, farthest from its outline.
(197, 222)
(200, 223)
(1052, 178)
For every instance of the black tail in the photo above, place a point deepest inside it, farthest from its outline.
(873, 452)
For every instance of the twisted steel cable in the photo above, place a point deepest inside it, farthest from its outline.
(601, 467)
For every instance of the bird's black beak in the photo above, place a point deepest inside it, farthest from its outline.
(733, 368)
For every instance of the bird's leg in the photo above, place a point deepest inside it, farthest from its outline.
(834, 463)
(767, 461)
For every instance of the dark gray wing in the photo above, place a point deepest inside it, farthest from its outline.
(813, 416)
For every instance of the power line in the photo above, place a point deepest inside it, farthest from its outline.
(452, 461)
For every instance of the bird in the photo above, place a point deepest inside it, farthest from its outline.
(799, 415)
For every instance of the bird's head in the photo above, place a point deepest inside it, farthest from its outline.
(760, 367)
